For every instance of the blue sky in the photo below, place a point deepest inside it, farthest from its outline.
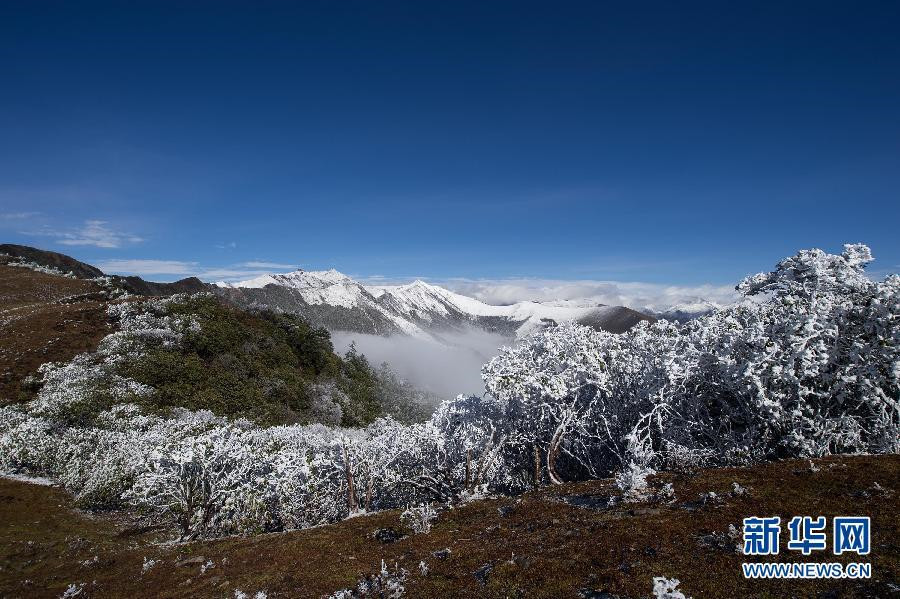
(666, 143)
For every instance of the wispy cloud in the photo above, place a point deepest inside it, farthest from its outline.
(95, 233)
(148, 267)
(227, 246)
(263, 264)
(18, 216)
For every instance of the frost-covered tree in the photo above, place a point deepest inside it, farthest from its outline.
(810, 369)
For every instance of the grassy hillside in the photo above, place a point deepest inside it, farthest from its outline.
(44, 318)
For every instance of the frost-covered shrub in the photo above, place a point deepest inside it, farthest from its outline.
(667, 588)
(214, 483)
(810, 369)
(20, 262)
(148, 565)
(326, 403)
(73, 590)
(386, 584)
(632, 481)
(419, 519)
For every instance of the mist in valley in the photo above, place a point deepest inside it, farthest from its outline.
(446, 368)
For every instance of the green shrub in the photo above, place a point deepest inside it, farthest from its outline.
(260, 365)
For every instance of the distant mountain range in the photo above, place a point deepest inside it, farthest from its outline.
(337, 302)
(417, 309)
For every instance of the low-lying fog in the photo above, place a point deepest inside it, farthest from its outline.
(446, 369)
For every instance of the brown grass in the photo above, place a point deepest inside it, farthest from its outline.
(44, 318)
(543, 546)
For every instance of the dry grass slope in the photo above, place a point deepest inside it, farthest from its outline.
(44, 318)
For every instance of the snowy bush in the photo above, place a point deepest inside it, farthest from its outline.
(809, 370)
(73, 590)
(666, 588)
(326, 403)
(632, 481)
(148, 565)
(419, 519)
(20, 262)
(385, 585)
(214, 483)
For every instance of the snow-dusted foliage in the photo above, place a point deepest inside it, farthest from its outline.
(667, 588)
(811, 368)
(73, 590)
(419, 518)
(386, 584)
(632, 481)
(20, 262)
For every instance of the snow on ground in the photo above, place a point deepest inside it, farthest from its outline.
(22, 478)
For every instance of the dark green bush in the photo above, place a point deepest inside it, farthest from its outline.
(261, 365)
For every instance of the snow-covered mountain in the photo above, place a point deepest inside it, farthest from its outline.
(688, 311)
(328, 298)
(418, 309)
(316, 287)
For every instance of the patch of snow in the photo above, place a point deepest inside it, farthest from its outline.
(33, 480)
(74, 590)
(667, 588)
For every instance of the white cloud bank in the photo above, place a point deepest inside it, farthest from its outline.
(640, 296)
(446, 369)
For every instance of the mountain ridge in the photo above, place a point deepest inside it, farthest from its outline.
(418, 308)
(66, 265)
(334, 300)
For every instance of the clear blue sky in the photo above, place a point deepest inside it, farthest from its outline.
(667, 142)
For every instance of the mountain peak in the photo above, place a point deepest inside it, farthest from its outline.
(315, 278)
(417, 284)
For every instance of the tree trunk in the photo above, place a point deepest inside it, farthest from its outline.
(351, 492)
(553, 449)
(468, 469)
